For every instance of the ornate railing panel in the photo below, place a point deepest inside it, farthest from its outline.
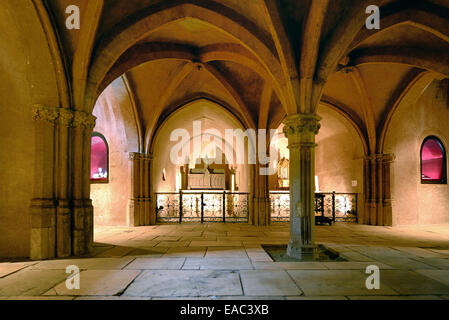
(237, 207)
(213, 207)
(280, 206)
(202, 206)
(191, 206)
(167, 207)
(340, 207)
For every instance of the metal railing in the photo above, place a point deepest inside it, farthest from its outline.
(197, 206)
(340, 207)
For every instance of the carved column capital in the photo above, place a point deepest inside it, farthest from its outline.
(66, 117)
(138, 156)
(301, 123)
(147, 157)
(389, 158)
(381, 157)
(134, 156)
(300, 130)
(45, 113)
(84, 119)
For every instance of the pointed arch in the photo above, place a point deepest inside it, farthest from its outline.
(126, 35)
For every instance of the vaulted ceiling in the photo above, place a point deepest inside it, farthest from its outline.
(261, 59)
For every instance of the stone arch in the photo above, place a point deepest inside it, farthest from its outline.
(113, 46)
(206, 110)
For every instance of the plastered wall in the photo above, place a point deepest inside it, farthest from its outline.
(115, 121)
(413, 202)
(26, 78)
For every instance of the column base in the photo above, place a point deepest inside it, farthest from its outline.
(43, 229)
(302, 252)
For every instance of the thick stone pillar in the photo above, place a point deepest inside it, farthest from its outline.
(140, 201)
(378, 202)
(82, 220)
(61, 210)
(43, 204)
(301, 129)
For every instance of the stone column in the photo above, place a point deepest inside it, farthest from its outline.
(82, 221)
(378, 208)
(140, 202)
(364, 216)
(43, 204)
(134, 204)
(373, 199)
(146, 189)
(61, 210)
(301, 129)
(387, 199)
(64, 214)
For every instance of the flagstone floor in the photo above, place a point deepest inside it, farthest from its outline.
(226, 261)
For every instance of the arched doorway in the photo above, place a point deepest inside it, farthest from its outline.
(197, 173)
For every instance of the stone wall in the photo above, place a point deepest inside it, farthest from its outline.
(26, 78)
(413, 202)
(115, 121)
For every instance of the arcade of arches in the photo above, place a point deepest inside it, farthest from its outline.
(87, 115)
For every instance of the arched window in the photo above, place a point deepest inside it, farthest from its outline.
(433, 161)
(99, 159)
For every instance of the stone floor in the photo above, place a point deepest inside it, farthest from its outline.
(226, 261)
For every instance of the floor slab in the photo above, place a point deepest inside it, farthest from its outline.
(271, 283)
(156, 264)
(218, 264)
(170, 283)
(30, 282)
(412, 283)
(99, 283)
(335, 283)
(223, 259)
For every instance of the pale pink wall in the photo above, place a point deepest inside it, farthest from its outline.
(116, 122)
(413, 202)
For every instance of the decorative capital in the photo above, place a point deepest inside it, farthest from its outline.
(388, 158)
(83, 119)
(66, 117)
(381, 157)
(138, 156)
(134, 156)
(45, 113)
(301, 123)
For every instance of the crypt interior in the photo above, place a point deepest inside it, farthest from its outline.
(357, 137)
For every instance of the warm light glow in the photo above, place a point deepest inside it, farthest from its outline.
(99, 159)
(432, 160)
(178, 181)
